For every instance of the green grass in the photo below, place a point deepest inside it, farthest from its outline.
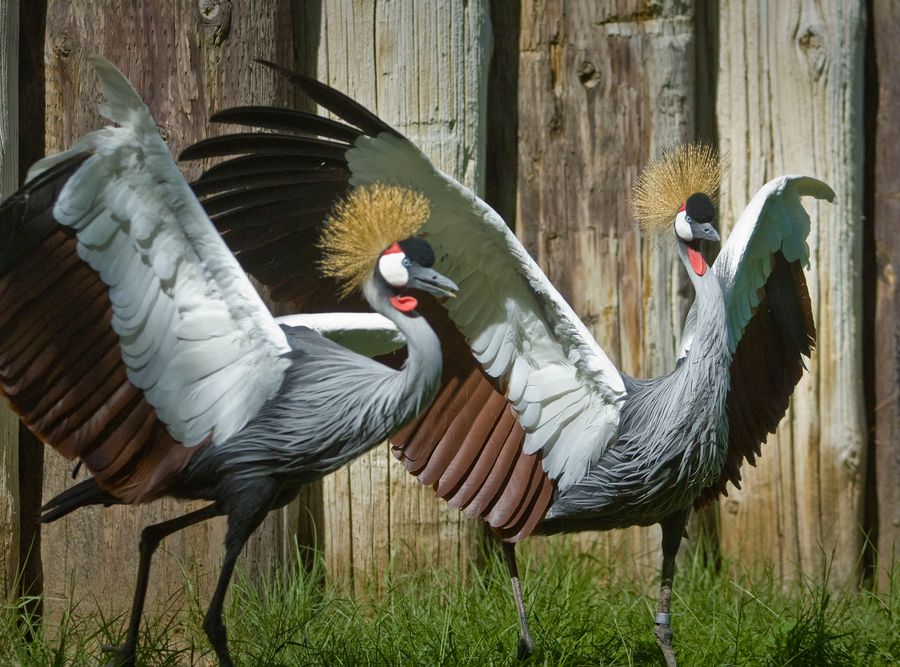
(430, 619)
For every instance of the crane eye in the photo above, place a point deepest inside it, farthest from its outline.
(683, 227)
(393, 268)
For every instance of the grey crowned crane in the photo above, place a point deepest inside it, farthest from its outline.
(534, 429)
(131, 339)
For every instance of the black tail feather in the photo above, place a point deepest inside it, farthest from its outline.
(85, 493)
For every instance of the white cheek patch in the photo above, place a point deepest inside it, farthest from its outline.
(392, 270)
(682, 228)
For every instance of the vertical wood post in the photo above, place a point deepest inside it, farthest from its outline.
(32, 22)
(886, 239)
(422, 67)
(790, 93)
(9, 174)
(604, 86)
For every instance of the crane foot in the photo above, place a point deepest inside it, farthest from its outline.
(122, 655)
(526, 647)
(664, 636)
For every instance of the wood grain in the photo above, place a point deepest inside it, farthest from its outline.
(602, 87)
(886, 356)
(421, 67)
(790, 101)
(9, 176)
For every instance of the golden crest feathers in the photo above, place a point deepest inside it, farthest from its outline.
(665, 184)
(363, 225)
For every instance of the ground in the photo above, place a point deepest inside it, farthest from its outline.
(582, 613)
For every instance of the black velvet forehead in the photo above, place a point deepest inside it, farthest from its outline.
(418, 250)
(699, 208)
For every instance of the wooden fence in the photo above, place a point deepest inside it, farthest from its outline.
(549, 108)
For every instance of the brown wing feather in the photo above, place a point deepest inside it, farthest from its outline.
(766, 366)
(514, 492)
(468, 444)
(61, 369)
(500, 474)
(472, 445)
(507, 428)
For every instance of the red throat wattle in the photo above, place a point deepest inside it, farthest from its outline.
(697, 261)
(405, 304)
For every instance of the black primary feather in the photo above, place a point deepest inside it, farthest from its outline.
(262, 142)
(336, 102)
(287, 120)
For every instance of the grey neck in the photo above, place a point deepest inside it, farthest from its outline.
(417, 382)
(703, 381)
(710, 340)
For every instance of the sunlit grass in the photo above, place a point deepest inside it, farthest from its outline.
(296, 617)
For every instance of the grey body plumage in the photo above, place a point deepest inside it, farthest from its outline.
(672, 438)
(333, 406)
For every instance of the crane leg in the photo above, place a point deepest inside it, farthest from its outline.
(526, 643)
(151, 536)
(242, 521)
(672, 530)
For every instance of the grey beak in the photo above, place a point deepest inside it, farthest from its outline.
(704, 231)
(429, 280)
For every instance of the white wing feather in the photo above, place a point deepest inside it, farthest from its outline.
(773, 220)
(194, 334)
(562, 385)
(369, 334)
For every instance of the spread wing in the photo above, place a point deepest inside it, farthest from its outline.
(770, 323)
(517, 345)
(561, 385)
(131, 334)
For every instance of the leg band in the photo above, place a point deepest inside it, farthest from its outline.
(662, 618)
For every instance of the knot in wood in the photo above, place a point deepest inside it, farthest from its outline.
(811, 41)
(850, 461)
(63, 46)
(215, 17)
(588, 75)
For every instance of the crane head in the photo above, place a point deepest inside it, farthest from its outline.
(693, 223)
(408, 265)
(683, 177)
(694, 219)
(369, 219)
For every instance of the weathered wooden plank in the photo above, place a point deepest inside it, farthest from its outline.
(603, 86)
(9, 174)
(186, 59)
(423, 68)
(790, 101)
(886, 356)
